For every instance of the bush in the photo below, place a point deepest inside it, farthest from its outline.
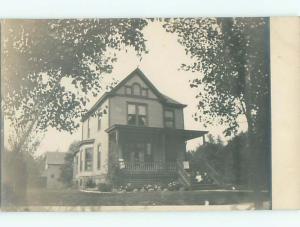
(129, 187)
(174, 186)
(103, 187)
(154, 187)
(90, 183)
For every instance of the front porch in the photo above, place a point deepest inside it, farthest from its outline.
(149, 147)
(149, 152)
(149, 167)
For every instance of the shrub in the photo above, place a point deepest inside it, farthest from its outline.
(129, 187)
(103, 187)
(90, 183)
(174, 186)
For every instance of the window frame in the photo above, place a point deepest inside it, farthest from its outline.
(128, 87)
(99, 122)
(140, 93)
(86, 160)
(99, 149)
(146, 90)
(81, 161)
(137, 104)
(166, 118)
(132, 89)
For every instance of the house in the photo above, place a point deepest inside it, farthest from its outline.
(53, 164)
(133, 133)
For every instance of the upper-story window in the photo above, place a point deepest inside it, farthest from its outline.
(99, 123)
(99, 156)
(88, 159)
(169, 118)
(80, 159)
(128, 90)
(144, 92)
(136, 90)
(136, 114)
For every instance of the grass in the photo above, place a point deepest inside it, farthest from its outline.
(77, 198)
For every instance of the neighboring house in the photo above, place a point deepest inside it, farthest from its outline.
(133, 133)
(53, 164)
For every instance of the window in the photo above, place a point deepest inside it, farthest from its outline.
(131, 118)
(88, 128)
(80, 164)
(142, 115)
(137, 114)
(99, 122)
(128, 91)
(136, 89)
(88, 159)
(169, 119)
(145, 92)
(99, 156)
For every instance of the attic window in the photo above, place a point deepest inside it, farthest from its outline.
(144, 92)
(128, 90)
(136, 89)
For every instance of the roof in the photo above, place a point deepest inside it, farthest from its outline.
(162, 98)
(185, 134)
(55, 158)
(171, 101)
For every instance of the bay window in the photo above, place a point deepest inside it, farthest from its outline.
(88, 159)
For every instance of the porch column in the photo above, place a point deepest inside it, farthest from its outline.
(118, 143)
(163, 149)
(203, 138)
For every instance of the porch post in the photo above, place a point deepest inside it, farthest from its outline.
(118, 143)
(163, 147)
(203, 138)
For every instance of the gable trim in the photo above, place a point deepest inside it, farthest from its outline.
(137, 71)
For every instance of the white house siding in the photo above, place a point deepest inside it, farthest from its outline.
(101, 138)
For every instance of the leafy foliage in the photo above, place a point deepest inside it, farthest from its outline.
(230, 56)
(231, 161)
(66, 173)
(50, 67)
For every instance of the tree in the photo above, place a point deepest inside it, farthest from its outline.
(229, 161)
(67, 169)
(50, 67)
(231, 57)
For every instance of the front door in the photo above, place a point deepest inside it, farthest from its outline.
(138, 152)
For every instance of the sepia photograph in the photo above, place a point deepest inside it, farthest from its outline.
(136, 114)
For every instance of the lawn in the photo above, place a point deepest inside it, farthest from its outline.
(78, 198)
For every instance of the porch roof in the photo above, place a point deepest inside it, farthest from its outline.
(186, 134)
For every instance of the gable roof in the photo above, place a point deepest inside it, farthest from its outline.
(55, 158)
(163, 98)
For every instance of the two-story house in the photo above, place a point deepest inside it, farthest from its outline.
(53, 164)
(133, 132)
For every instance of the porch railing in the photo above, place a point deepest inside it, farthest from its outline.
(150, 166)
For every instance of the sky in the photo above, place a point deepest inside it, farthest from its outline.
(161, 66)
